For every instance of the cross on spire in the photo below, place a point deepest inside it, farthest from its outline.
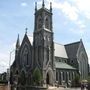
(43, 4)
(26, 30)
(35, 6)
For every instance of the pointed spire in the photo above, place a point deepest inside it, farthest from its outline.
(18, 42)
(81, 40)
(26, 30)
(35, 6)
(43, 4)
(50, 6)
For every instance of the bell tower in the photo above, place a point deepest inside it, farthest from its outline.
(43, 43)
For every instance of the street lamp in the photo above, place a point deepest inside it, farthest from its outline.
(8, 70)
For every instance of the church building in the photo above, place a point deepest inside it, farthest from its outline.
(55, 61)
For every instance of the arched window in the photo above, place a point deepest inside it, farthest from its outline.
(25, 57)
(47, 23)
(39, 22)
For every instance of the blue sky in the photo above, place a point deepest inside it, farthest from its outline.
(71, 20)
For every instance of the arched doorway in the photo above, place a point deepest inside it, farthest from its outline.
(47, 79)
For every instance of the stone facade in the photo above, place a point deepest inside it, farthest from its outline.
(43, 44)
(78, 58)
(40, 55)
(55, 62)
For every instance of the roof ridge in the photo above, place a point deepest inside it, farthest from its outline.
(59, 43)
(72, 43)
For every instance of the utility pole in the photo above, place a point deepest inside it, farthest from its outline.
(8, 70)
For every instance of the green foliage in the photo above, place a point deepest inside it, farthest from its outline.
(3, 78)
(88, 78)
(37, 77)
(76, 81)
(77, 78)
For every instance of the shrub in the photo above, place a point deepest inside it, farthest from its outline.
(76, 81)
(37, 77)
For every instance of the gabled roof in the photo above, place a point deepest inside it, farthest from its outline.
(72, 49)
(25, 40)
(30, 39)
(60, 50)
(61, 65)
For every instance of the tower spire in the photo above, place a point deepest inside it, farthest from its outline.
(43, 5)
(50, 6)
(18, 42)
(35, 6)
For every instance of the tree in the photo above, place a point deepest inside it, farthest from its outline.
(76, 81)
(37, 77)
(88, 78)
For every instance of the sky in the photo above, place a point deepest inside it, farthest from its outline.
(71, 20)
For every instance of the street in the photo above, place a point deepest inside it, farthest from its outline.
(60, 88)
(72, 89)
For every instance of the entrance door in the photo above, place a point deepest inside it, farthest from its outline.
(47, 79)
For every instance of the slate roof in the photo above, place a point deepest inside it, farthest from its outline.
(61, 65)
(72, 48)
(60, 50)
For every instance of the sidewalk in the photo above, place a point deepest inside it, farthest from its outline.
(55, 88)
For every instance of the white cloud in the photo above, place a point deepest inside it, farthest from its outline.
(5, 58)
(73, 12)
(70, 11)
(24, 4)
(83, 7)
(81, 24)
(78, 31)
(4, 61)
(73, 9)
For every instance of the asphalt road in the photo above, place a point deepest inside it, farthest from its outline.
(73, 89)
(60, 88)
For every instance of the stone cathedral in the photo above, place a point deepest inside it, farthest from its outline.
(55, 61)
